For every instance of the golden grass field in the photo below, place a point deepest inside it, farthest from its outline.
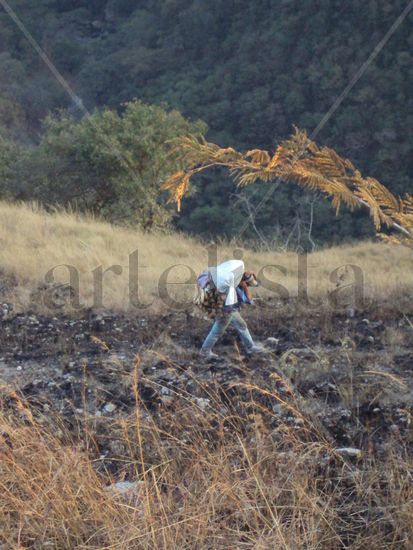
(32, 242)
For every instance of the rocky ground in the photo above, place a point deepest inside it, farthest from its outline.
(350, 372)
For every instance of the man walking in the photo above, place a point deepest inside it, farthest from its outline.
(231, 280)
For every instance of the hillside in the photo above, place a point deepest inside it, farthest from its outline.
(116, 433)
(250, 71)
(34, 242)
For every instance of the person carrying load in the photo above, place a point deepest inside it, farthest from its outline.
(223, 291)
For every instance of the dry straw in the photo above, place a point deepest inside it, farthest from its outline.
(301, 161)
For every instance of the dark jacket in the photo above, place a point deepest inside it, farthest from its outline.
(242, 300)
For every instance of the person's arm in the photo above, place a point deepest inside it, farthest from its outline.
(246, 289)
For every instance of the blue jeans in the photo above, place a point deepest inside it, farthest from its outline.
(220, 326)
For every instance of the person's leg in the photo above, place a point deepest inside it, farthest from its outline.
(217, 330)
(241, 327)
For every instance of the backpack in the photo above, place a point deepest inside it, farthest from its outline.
(208, 299)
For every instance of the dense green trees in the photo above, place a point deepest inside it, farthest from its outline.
(9, 152)
(108, 163)
(250, 70)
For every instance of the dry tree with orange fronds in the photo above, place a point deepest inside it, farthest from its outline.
(300, 161)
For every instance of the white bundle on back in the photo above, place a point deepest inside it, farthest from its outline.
(226, 277)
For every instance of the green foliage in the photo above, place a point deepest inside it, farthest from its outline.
(109, 163)
(251, 70)
(9, 155)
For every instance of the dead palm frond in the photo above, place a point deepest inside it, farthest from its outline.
(300, 161)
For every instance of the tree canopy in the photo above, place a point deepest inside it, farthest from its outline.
(250, 70)
(108, 163)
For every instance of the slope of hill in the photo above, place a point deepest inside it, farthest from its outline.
(116, 433)
(39, 248)
(250, 71)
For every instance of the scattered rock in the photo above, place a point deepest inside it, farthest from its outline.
(202, 403)
(109, 407)
(124, 486)
(127, 491)
(5, 310)
(350, 451)
(350, 312)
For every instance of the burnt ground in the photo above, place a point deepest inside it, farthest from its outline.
(350, 373)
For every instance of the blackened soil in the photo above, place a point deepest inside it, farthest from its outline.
(352, 376)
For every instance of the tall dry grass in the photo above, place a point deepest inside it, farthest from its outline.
(206, 480)
(32, 242)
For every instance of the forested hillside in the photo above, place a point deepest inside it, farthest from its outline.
(250, 70)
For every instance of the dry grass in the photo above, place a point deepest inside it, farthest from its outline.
(207, 480)
(221, 476)
(32, 242)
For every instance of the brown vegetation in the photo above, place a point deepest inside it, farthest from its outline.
(33, 242)
(207, 473)
(301, 161)
(308, 447)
